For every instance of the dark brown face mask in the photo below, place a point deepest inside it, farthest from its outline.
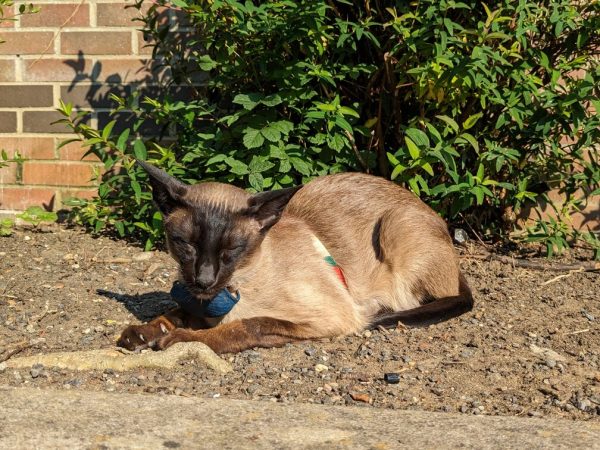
(209, 237)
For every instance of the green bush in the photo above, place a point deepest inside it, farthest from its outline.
(478, 109)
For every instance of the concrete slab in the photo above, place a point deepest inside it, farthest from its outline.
(43, 419)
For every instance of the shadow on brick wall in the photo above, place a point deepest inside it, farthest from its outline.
(587, 219)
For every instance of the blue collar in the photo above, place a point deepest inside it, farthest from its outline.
(217, 306)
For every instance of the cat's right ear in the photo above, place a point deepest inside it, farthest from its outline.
(167, 192)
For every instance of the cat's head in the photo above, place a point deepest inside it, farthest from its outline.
(213, 228)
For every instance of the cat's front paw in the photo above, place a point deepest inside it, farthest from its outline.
(177, 335)
(136, 337)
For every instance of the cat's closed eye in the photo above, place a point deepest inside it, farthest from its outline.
(185, 250)
(228, 254)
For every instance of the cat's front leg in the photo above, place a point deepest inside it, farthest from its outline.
(240, 335)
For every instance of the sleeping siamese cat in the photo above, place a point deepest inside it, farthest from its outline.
(339, 254)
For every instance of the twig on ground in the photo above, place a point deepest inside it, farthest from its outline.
(113, 261)
(559, 277)
(19, 347)
(578, 331)
(474, 232)
(587, 266)
(43, 314)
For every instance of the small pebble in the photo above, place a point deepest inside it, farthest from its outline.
(460, 236)
(467, 353)
(143, 256)
(310, 351)
(321, 368)
(583, 405)
(587, 315)
(391, 378)
(36, 370)
(360, 397)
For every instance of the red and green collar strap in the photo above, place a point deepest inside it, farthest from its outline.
(329, 260)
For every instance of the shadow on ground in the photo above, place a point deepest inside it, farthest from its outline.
(144, 306)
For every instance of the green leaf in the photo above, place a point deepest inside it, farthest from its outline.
(427, 168)
(418, 137)
(139, 149)
(397, 171)
(471, 140)
(283, 126)
(343, 123)
(348, 111)
(413, 150)
(392, 159)
(137, 190)
(120, 228)
(497, 35)
(256, 180)
(216, 159)
(253, 138)
(260, 164)
(206, 63)
(271, 133)
(544, 61)
(271, 100)
(99, 225)
(478, 194)
(62, 144)
(237, 167)
(471, 120)
(248, 101)
(123, 139)
(107, 129)
(278, 152)
(480, 173)
(450, 122)
(325, 106)
(412, 182)
(301, 166)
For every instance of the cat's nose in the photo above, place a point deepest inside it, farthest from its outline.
(204, 281)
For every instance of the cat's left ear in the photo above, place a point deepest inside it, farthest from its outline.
(266, 207)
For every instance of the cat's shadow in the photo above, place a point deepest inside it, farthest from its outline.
(144, 306)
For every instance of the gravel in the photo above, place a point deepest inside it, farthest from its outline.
(528, 348)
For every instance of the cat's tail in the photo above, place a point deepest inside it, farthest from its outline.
(438, 310)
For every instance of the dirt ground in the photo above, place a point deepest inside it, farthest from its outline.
(530, 347)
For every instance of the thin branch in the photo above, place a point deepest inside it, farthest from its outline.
(356, 152)
(20, 346)
(588, 266)
(57, 33)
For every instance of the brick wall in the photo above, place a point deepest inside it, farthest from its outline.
(74, 50)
